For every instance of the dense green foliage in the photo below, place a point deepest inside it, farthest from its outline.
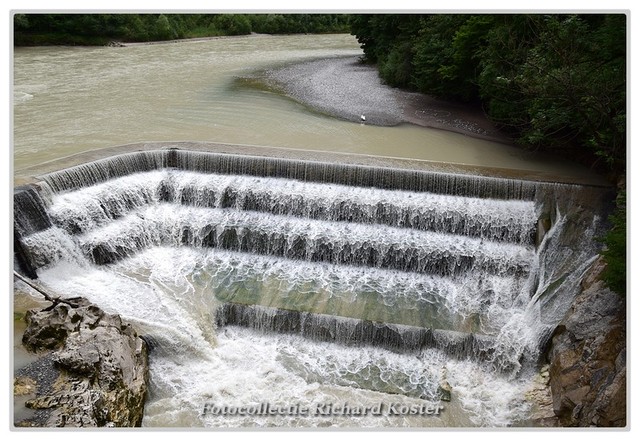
(99, 29)
(555, 82)
(615, 254)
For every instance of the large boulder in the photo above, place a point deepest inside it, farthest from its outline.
(100, 364)
(588, 358)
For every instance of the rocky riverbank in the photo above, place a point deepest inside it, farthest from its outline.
(587, 373)
(588, 358)
(90, 369)
(348, 89)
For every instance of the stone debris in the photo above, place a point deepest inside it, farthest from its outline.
(93, 369)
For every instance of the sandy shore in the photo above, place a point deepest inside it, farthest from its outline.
(345, 88)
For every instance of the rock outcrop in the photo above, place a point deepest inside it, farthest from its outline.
(92, 371)
(588, 358)
(539, 396)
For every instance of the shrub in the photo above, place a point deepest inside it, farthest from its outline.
(615, 254)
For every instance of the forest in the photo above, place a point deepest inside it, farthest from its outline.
(552, 82)
(100, 29)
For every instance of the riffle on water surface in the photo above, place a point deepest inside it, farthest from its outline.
(421, 262)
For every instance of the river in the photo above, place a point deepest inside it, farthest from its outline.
(72, 99)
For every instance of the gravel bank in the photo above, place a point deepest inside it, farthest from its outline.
(345, 88)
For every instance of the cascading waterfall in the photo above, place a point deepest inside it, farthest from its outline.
(344, 282)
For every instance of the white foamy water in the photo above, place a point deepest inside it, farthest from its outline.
(193, 363)
(175, 244)
(19, 97)
(90, 207)
(167, 248)
(155, 224)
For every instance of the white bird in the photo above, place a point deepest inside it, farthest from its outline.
(363, 118)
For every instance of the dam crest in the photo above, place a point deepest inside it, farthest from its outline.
(477, 268)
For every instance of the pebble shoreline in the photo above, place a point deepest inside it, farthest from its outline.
(346, 88)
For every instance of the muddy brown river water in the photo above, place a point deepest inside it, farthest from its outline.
(72, 99)
(68, 100)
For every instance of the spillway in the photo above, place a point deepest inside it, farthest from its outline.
(309, 261)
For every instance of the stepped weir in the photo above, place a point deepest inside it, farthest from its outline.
(478, 268)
